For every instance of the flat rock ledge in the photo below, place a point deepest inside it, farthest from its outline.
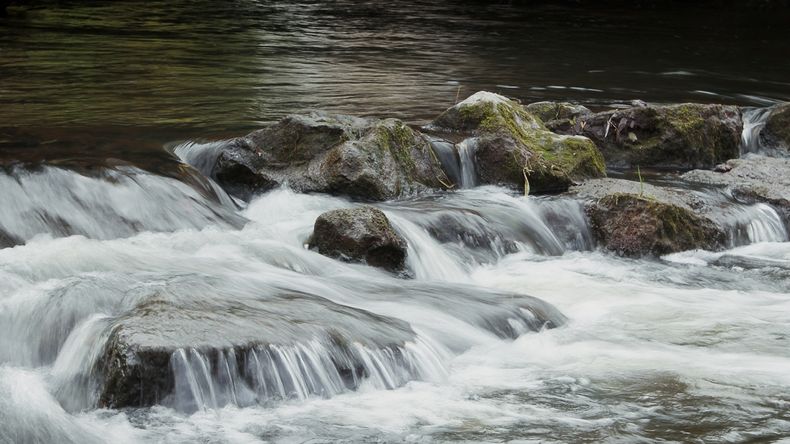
(634, 219)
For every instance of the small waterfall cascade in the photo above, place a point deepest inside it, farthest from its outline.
(752, 141)
(748, 224)
(115, 203)
(753, 123)
(466, 154)
(266, 374)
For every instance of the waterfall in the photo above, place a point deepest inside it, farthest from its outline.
(747, 224)
(466, 154)
(113, 203)
(753, 123)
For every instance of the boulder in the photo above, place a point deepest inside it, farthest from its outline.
(318, 152)
(188, 346)
(636, 219)
(513, 148)
(752, 179)
(359, 235)
(776, 132)
(683, 136)
(230, 344)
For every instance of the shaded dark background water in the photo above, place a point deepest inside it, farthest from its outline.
(162, 70)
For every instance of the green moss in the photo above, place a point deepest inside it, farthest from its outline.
(398, 139)
(685, 117)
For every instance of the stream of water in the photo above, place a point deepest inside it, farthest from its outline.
(110, 210)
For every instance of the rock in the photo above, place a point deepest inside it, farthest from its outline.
(722, 168)
(776, 132)
(681, 136)
(560, 111)
(636, 219)
(513, 148)
(158, 339)
(753, 179)
(319, 152)
(359, 235)
(188, 346)
(7, 240)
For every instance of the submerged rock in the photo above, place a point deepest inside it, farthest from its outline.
(359, 235)
(636, 219)
(153, 348)
(189, 350)
(752, 179)
(683, 136)
(776, 132)
(513, 148)
(319, 152)
(6, 240)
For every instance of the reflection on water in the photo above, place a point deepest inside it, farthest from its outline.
(232, 65)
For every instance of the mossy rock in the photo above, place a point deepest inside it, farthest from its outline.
(683, 136)
(776, 132)
(632, 225)
(513, 148)
(365, 159)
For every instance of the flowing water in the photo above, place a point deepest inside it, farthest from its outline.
(513, 327)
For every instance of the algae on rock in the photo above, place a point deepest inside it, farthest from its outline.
(513, 148)
(679, 136)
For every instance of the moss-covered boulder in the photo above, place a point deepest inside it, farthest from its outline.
(776, 132)
(683, 136)
(635, 219)
(363, 158)
(359, 235)
(513, 148)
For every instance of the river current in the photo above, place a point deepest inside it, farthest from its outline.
(105, 108)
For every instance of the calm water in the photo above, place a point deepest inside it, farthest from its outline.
(228, 66)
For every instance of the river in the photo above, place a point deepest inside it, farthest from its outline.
(104, 104)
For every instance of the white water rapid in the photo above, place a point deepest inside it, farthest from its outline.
(692, 346)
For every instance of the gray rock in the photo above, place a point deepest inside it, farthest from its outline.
(145, 345)
(753, 179)
(319, 152)
(359, 235)
(251, 343)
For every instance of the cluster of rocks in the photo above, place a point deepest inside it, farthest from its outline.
(543, 147)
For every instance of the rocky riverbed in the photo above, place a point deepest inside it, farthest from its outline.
(310, 259)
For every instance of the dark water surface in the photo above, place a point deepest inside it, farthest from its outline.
(209, 67)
